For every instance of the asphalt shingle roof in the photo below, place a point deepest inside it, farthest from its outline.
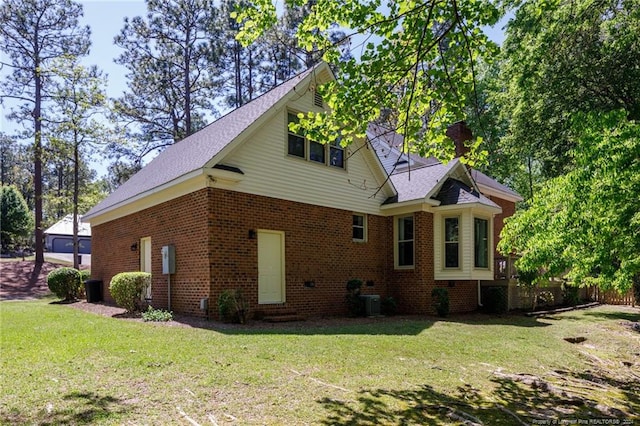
(195, 151)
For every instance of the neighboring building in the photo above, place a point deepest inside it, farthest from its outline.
(247, 204)
(59, 237)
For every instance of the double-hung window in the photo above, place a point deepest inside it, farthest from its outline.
(405, 241)
(298, 145)
(359, 228)
(451, 242)
(481, 242)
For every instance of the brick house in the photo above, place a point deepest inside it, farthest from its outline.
(247, 204)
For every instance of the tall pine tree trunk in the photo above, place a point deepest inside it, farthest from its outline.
(37, 158)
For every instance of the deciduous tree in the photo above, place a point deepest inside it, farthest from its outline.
(414, 64)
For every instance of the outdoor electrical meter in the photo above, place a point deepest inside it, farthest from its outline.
(168, 260)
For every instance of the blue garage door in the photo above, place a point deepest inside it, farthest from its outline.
(65, 245)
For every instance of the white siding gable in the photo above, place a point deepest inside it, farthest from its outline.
(270, 171)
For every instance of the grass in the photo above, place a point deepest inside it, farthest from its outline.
(60, 365)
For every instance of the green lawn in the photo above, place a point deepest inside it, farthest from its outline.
(60, 365)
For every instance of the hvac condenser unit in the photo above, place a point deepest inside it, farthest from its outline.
(371, 304)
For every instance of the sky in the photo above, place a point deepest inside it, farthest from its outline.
(105, 18)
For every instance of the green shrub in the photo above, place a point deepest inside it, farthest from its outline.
(636, 288)
(126, 289)
(65, 283)
(232, 306)
(85, 275)
(495, 299)
(441, 301)
(389, 306)
(157, 315)
(570, 294)
(355, 304)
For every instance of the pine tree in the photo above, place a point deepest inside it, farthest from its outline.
(33, 33)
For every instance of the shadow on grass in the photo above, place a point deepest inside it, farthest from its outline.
(86, 408)
(510, 403)
(401, 325)
(80, 408)
(618, 315)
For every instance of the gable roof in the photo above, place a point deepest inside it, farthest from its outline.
(388, 146)
(455, 192)
(65, 227)
(193, 153)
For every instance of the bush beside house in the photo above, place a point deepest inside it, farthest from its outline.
(66, 283)
(127, 287)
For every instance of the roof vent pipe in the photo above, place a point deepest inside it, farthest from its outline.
(460, 134)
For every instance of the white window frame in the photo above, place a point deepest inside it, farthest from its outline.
(445, 242)
(363, 227)
(328, 148)
(488, 242)
(397, 241)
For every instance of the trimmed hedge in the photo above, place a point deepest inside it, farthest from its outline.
(440, 298)
(126, 289)
(65, 283)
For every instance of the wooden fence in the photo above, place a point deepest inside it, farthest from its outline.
(612, 297)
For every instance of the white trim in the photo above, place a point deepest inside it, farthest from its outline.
(174, 189)
(493, 192)
(365, 228)
(396, 243)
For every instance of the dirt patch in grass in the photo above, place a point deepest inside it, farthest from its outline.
(24, 280)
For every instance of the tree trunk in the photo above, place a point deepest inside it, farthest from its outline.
(37, 159)
(76, 190)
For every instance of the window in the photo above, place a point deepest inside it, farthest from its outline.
(316, 152)
(359, 228)
(300, 146)
(404, 226)
(296, 142)
(481, 242)
(451, 242)
(336, 154)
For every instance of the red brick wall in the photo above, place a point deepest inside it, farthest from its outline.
(412, 287)
(180, 222)
(318, 247)
(508, 209)
(210, 231)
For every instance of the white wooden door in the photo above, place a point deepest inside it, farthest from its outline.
(145, 263)
(271, 281)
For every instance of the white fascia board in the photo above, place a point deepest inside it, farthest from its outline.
(409, 207)
(224, 175)
(182, 185)
(487, 190)
(470, 206)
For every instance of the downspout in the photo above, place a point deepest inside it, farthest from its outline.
(479, 294)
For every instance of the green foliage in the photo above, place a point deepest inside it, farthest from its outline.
(556, 62)
(16, 219)
(440, 297)
(389, 306)
(85, 275)
(66, 283)
(586, 222)
(495, 299)
(355, 304)
(544, 299)
(127, 288)
(417, 77)
(232, 306)
(570, 294)
(157, 315)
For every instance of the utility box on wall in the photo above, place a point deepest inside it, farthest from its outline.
(168, 260)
